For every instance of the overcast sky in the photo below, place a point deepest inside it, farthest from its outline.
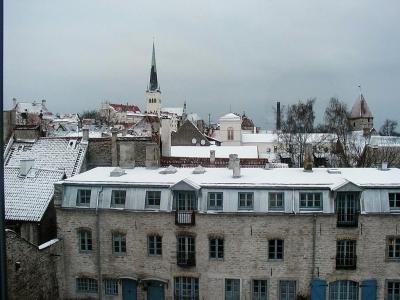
(216, 55)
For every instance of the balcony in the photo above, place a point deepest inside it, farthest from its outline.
(346, 263)
(347, 220)
(185, 217)
(185, 259)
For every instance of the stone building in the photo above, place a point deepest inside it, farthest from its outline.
(361, 117)
(216, 233)
(189, 135)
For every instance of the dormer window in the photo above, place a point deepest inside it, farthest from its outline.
(311, 201)
(394, 201)
(83, 198)
(118, 199)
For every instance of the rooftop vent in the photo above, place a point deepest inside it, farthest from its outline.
(199, 170)
(169, 170)
(384, 166)
(268, 166)
(117, 172)
(71, 144)
(334, 171)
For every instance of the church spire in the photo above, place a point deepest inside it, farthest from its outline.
(153, 86)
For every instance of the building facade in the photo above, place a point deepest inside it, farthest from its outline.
(230, 234)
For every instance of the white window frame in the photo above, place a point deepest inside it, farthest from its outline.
(313, 207)
(247, 207)
(215, 207)
(272, 196)
(114, 197)
(79, 197)
(147, 205)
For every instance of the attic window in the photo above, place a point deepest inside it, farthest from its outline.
(169, 170)
(199, 170)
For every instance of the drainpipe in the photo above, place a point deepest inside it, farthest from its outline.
(314, 244)
(98, 256)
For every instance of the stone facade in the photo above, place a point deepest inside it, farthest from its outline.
(31, 272)
(188, 135)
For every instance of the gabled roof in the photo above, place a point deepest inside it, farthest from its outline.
(27, 198)
(185, 185)
(230, 116)
(360, 109)
(49, 153)
(125, 108)
(34, 107)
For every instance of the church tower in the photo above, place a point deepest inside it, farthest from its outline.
(153, 93)
(361, 117)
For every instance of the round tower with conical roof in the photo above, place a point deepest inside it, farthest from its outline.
(361, 117)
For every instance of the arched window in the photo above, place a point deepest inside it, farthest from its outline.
(230, 133)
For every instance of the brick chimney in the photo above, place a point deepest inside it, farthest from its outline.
(236, 167)
(85, 134)
(114, 149)
(212, 157)
(232, 158)
(308, 158)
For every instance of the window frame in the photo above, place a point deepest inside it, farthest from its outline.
(110, 286)
(155, 245)
(121, 239)
(275, 194)
(113, 204)
(289, 281)
(88, 237)
(396, 200)
(216, 206)
(350, 252)
(232, 296)
(349, 287)
(396, 239)
(230, 133)
(258, 295)
(393, 281)
(275, 254)
(217, 251)
(181, 282)
(313, 207)
(79, 197)
(246, 200)
(89, 283)
(152, 206)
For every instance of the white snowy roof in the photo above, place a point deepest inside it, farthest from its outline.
(259, 138)
(173, 110)
(49, 153)
(250, 177)
(34, 107)
(193, 117)
(230, 116)
(27, 198)
(382, 141)
(220, 151)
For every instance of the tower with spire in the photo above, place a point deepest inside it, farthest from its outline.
(361, 117)
(153, 92)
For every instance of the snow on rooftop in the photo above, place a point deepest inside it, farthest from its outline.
(259, 138)
(27, 198)
(250, 177)
(173, 110)
(48, 244)
(230, 116)
(220, 151)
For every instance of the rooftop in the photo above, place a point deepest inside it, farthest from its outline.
(360, 109)
(250, 177)
(220, 151)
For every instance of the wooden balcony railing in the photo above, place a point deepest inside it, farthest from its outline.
(185, 217)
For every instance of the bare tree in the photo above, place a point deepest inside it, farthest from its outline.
(388, 128)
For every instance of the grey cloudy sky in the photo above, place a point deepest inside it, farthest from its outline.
(214, 54)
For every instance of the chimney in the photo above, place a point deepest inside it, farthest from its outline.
(308, 158)
(152, 156)
(85, 134)
(44, 102)
(166, 137)
(278, 116)
(124, 131)
(212, 157)
(114, 149)
(236, 167)
(14, 103)
(25, 166)
(384, 166)
(232, 158)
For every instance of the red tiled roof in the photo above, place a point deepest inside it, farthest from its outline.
(125, 108)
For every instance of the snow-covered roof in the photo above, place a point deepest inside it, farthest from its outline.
(27, 198)
(48, 244)
(31, 107)
(173, 110)
(193, 117)
(259, 138)
(124, 108)
(49, 153)
(220, 151)
(250, 177)
(382, 141)
(360, 109)
(230, 116)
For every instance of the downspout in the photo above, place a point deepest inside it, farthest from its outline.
(314, 244)
(98, 256)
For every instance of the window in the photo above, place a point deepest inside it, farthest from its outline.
(153, 199)
(186, 200)
(287, 290)
(186, 288)
(276, 201)
(119, 243)
(86, 285)
(394, 201)
(110, 287)
(118, 198)
(232, 289)
(275, 249)
(393, 290)
(215, 201)
(260, 291)
(230, 133)
(83, 198)
(155, 244)
(347, 209)
(245, 200)
(186, 255)
(311, 201)
(346, 254)
(217, 248)
(393, 248)
(343, 290)
(85, 240)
